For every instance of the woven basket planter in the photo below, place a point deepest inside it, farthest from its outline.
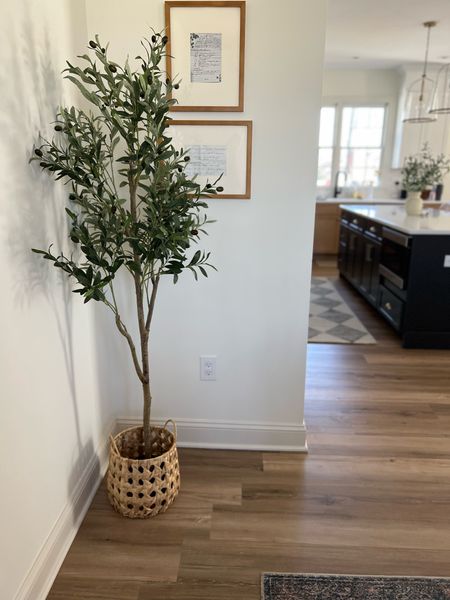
(141, 488)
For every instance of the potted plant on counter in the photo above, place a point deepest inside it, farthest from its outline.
(438, 167)
(413, 181)
(131, 207)
(420, 173)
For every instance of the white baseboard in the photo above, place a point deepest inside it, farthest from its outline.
(233, 435)
(39, 579)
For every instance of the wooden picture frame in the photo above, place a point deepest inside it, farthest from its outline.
(236, 136)
(216, 95)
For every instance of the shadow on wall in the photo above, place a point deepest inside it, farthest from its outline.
(117, 384)
(33, 205)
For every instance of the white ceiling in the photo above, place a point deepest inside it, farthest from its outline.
(385, 33)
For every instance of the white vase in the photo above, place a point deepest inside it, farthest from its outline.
(414, 204)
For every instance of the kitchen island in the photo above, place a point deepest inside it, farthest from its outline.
(401, 266)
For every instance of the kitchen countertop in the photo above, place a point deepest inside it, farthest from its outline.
(433, 221)
(359, 201)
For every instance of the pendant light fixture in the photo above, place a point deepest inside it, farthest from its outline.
(418, 99)
(440, 104)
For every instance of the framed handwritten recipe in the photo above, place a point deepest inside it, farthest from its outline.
(217, 149)
(206, 54)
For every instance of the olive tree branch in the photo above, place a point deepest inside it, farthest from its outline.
(124, 331)
(151, 304)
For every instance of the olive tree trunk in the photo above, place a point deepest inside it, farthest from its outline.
(146, 390)
(144, 322)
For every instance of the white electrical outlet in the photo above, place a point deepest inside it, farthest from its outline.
(208, 368)
(447, 261)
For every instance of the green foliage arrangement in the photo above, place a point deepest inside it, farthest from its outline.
(424, 170)
(131, 204)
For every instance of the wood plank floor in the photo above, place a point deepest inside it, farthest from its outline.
(372, 496)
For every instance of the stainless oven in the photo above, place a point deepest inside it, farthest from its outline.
(395, 255)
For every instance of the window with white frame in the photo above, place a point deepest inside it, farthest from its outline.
(351, 140)
(326, 146)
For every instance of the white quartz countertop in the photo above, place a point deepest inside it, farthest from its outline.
(359, 201)
(432, 221)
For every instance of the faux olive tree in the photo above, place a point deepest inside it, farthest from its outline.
(131, 205)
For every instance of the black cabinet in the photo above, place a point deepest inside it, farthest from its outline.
(370, 271)
(359, 255)
(355, 251)
(391, 307)
(404, 277)
(343, 248)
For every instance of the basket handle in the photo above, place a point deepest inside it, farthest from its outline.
(113, 444)
(174, 427)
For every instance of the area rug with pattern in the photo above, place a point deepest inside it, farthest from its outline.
(280, 586)
(331, 320)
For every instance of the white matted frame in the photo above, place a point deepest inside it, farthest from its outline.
(234, 138)
(226, 21)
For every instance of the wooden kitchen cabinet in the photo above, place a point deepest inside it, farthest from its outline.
(326, 228)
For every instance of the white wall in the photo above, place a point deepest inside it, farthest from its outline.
(253, 313)
(65, 373)
(52, 416)
(370, 86)
(377, 84)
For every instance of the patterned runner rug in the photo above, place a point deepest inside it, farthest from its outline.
(279, 586)
(331, 320)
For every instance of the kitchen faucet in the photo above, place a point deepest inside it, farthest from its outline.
(337, 189)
